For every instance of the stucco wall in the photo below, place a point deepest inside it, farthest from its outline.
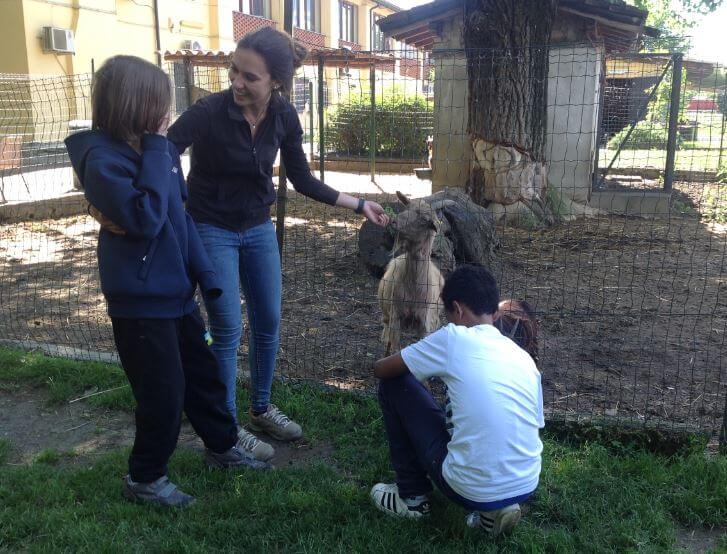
(573, 93)
(452, 152)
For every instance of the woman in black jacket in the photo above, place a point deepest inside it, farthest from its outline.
(236, 136)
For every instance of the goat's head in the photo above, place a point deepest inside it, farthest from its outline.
(418, 223)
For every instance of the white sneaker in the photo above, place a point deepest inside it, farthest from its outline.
(386, 498)
(496, 522)
(253, 446)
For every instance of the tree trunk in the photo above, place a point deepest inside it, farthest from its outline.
(507, 50)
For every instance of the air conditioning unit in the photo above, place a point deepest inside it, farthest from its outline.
(58, 40)
(191, 45)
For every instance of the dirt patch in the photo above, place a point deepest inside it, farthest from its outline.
(700, 540)
(32, 426)
(79, 432)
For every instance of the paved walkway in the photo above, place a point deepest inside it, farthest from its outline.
(45, 184)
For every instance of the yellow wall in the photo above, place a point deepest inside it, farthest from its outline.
(104, 28)
(12, 38)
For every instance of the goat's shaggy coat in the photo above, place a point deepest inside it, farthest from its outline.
(410, 288)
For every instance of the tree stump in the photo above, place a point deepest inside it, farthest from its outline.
(467, 235)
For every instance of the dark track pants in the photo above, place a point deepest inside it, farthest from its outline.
(171, 369)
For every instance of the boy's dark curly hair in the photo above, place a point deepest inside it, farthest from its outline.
(474, 286)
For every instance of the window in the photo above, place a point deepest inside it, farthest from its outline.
(347, 22)
(305, 15)
(378, 40)
(260, 8)
(301, 94)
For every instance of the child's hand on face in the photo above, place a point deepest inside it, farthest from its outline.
(164, 126)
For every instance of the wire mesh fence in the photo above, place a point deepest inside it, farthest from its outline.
(626, 278)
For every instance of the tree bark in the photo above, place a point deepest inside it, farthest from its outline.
(507, 55)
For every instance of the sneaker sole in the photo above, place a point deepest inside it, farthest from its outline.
(211, 463)
(507, 523)
(258, 429)
(131, 497)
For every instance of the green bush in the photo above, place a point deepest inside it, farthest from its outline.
(647, 135)
(402, 126)
(722, 173)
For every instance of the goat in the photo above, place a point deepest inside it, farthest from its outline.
(410, 288)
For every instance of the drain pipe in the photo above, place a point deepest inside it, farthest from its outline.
(157, 36)
(371, 23)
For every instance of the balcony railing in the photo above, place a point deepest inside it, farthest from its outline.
(310, 39)
(243, 24)
(354, 46)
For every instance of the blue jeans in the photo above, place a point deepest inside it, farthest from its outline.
(249, 261)
(418, 438)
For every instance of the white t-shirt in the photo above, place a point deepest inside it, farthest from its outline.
(497, 409)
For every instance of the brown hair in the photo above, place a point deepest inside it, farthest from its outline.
(129, 97)
(516, 319)
(282, 54)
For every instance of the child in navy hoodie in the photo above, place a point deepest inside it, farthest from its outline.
(150, 261)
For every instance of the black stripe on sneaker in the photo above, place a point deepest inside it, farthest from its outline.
(486, 522)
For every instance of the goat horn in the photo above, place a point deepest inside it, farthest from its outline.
(403, 199)
(439, 204)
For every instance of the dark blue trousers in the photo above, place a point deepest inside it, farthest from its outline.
(418, 438)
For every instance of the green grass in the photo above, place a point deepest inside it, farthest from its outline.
(590, 500)
(687, 160)
(65, 379)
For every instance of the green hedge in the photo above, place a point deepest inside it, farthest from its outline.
(402, 126)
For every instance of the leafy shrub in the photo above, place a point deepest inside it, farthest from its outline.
(647, 135)
(402, 126)
(722, 173)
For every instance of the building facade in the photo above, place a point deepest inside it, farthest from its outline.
(87, 32)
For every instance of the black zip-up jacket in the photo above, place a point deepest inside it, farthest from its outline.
(231, 176)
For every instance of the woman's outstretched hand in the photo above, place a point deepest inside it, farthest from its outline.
(375, 213)
(105, 222)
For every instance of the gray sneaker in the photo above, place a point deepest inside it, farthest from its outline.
(161, 492)
(250, 444)
(497, 522)
(234, 457)
(276, 424)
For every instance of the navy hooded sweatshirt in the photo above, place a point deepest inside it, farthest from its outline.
(152, 271)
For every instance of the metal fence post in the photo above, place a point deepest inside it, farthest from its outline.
(372, 136)
(723, 430)
(595, 181)
(321, 117)
(724, 119)
(282, 200)
(674, 105)
(188, 80)
(311, 132)
(721, 139)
